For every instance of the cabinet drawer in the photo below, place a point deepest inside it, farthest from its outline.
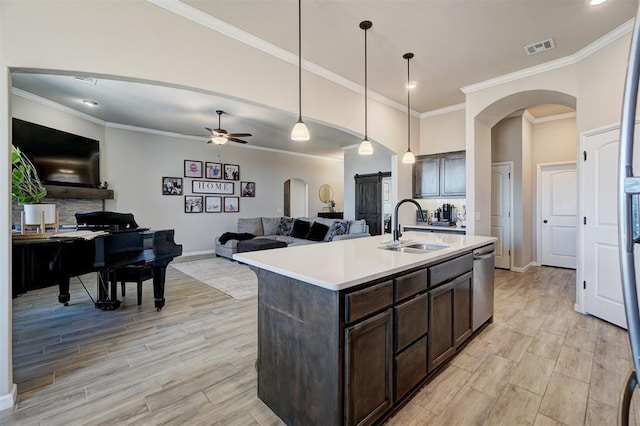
(363, 302)
(410, 368)
(410, 321)
(410, 284)
(450, 269)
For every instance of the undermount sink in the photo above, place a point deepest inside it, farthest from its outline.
(415, 247)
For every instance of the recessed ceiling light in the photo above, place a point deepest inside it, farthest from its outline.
(595, 2)
(89, 102)
(411, 85)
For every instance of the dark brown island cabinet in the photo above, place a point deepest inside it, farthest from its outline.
(353, 357)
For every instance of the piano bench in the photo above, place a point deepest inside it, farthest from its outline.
(135, 274)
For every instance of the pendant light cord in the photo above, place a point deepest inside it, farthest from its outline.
(408, 57)
(300, 59)
(408, 109)
(365, 85)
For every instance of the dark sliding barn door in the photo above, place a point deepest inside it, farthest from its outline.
(369, 200)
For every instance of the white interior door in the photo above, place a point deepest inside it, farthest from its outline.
(559, 205)
(501, 213)
(603, 295)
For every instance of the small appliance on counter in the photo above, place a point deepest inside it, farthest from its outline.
(444, 216)
(422, 216)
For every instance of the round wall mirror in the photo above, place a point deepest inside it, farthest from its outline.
(325, 193)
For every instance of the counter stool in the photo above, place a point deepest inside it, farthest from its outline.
(136, 274)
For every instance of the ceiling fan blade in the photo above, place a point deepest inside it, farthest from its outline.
(239, 135)
(220, 131)
(236, 140)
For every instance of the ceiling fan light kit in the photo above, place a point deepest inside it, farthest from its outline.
(300, 131)
(220, 136)
(365, 147)
(408, 157)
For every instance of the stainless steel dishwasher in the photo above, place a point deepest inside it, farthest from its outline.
(483, 264)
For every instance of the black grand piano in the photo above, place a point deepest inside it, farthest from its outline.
(39, 263)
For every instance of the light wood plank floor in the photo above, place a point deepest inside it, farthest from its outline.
(193, 363)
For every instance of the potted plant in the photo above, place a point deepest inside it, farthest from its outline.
(28, 190)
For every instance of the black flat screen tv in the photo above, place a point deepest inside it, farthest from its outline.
(60, 158)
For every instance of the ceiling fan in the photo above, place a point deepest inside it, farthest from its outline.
(220, 136)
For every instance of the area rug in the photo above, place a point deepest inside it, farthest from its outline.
(232, 278)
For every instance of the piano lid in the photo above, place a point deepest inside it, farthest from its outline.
(102, 220)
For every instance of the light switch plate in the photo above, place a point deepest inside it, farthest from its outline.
(477, 216)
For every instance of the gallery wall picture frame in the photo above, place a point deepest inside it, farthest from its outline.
(247, 189)
(212, 170)
(193, 204)
(171, 185)
(192, 169)
(231, 172)
(213, 204)
(231, 204)
(209, 187)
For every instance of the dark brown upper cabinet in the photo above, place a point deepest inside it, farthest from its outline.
(440, 175)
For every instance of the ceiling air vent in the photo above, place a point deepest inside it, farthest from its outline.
(539, 46)
(88, 80)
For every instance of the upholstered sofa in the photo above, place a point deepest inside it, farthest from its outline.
(294, 231)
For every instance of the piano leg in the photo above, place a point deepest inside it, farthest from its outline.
(158, 285)
(64, 295)
(104, 302)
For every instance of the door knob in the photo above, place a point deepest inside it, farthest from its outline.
(545, 221)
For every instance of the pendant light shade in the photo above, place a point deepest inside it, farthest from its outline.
(408, 157)
(300, 131)
(365, 147)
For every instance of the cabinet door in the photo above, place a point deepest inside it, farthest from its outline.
(426, 177)
(462, 291)
(453, 175)
(368, 369)
(440, 335)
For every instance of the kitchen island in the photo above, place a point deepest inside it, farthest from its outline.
(349, 331)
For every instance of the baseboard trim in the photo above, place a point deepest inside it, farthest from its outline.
(9, 400)
(516, 269)
(197, 253)
(579, 309)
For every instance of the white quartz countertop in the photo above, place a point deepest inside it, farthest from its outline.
(435, 228)
(339, 265)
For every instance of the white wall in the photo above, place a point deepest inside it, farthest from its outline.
(442, 133)
(7, 387)
(136, 163)
(527, 193)
(555, 141)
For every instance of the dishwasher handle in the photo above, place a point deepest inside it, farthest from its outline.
(483, 256)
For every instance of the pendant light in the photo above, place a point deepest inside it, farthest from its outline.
(365, 147)
(408, 157)
(300, 131)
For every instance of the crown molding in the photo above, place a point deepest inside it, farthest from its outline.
(554, 117)
(526, 115)
(202, 138)
(441, 111)
(56, 106)
(107, 124)
(215, 24)
(603, 41)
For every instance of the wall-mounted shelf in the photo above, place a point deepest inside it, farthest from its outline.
(54, 191)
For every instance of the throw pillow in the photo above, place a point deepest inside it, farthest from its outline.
(270, 225)
(251, 226)
(317, 232)
(300, 228)
(338, 227)
(285, 226)
(358, 226)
